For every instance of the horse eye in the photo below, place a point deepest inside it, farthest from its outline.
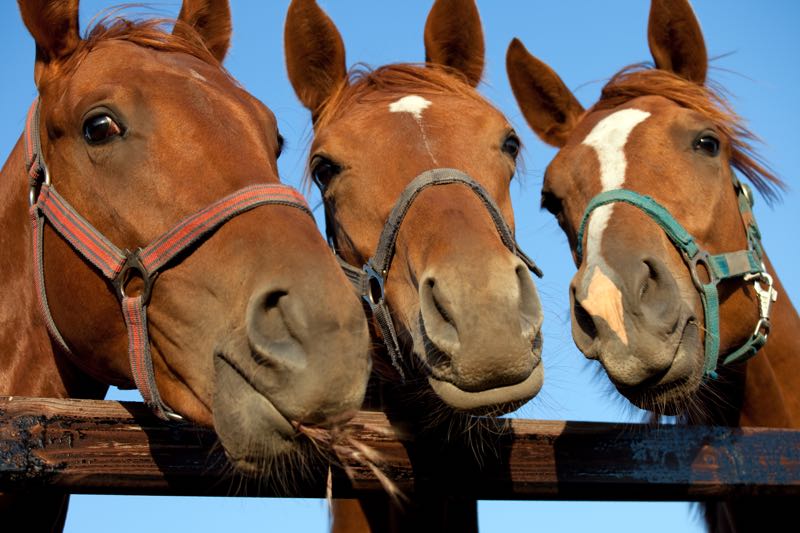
(708, 144)
(552, 203)
(100, 128)
(511, 145)
(281, 142)
(323, 170)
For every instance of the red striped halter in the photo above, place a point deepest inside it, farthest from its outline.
(118, 266)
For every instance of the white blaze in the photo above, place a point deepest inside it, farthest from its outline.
(414, 105)
(410, 104)
(608, 138)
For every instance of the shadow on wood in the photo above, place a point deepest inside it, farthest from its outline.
(85, 446)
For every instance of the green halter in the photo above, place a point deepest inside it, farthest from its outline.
(747, 264)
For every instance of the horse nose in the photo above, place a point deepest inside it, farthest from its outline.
(271, 339)
(313, 358)
(647, 299)
(487, 338)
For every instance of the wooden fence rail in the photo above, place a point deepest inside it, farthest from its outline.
(84, 446)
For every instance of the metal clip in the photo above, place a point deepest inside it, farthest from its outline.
(766, 297)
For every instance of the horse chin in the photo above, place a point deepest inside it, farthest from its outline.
(672, 392)
(253, 432)
(489, 402)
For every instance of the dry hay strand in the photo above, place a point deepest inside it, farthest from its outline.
(348, 450)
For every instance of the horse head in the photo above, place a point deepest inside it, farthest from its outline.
(154, 148)
(414, 168)
(671, 280)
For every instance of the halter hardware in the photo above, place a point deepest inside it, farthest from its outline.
(746, 264)
(120, 267)
(133, 268)
(369, 280)
(375, 282)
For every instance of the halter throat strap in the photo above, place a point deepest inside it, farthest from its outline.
(369, 280)
(119, 266)
(746, 264)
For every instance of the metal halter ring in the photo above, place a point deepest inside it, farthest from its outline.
(374, 289)
(134, 268)
(36, 186)
(704, 259)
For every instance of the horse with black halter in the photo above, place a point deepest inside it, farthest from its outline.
(674, 294)
(145, 245)
(414, 168)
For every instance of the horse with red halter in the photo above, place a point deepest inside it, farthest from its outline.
(674, 294)
(414, 167)
(148, 242)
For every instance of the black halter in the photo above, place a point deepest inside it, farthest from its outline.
(370, 279)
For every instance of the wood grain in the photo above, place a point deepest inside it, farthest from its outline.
(85, 446)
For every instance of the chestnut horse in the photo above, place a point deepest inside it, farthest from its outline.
(414, 167)
(674, 293)
(141, 141)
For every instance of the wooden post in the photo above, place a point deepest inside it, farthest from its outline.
(84, 446)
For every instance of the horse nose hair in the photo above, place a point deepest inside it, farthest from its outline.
(270, 337)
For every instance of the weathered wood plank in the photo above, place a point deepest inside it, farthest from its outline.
(121, 448)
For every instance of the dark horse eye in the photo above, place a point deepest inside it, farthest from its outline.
(552, 203)
(323, 170)
(708, 144)
(100, 128)
(511, 145)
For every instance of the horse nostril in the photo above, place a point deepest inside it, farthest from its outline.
(657, 290)
(437, 321)
(269, 331)
(584, 330)
(272, 298)
(530, 308)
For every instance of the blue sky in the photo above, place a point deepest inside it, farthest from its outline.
(756, 44)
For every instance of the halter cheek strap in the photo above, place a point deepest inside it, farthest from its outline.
(370, 279)
(120, 267)
(746, 264)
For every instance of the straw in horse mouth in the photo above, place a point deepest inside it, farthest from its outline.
(348, 450)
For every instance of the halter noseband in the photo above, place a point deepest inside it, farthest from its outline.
(747, 264)
(370, 279)
(119, 266)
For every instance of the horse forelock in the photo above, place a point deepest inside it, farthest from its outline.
(640, 80)
(391, 82)
(154, 33)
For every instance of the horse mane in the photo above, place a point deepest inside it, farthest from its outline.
(149, 33)
(642, 80)
(389, 82)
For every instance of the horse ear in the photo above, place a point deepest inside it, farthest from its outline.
(547, 104)
(676, 41)
(454, 38)
(211, 19)
(54, 26)
(315, 57)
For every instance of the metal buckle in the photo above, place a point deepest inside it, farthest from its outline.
(134, 268)
(766, 297)
(36, 186)
(703, 258)
(375, 286)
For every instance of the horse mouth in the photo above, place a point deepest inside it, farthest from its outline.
(670, 392)
(252, 429)
(492, 401)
